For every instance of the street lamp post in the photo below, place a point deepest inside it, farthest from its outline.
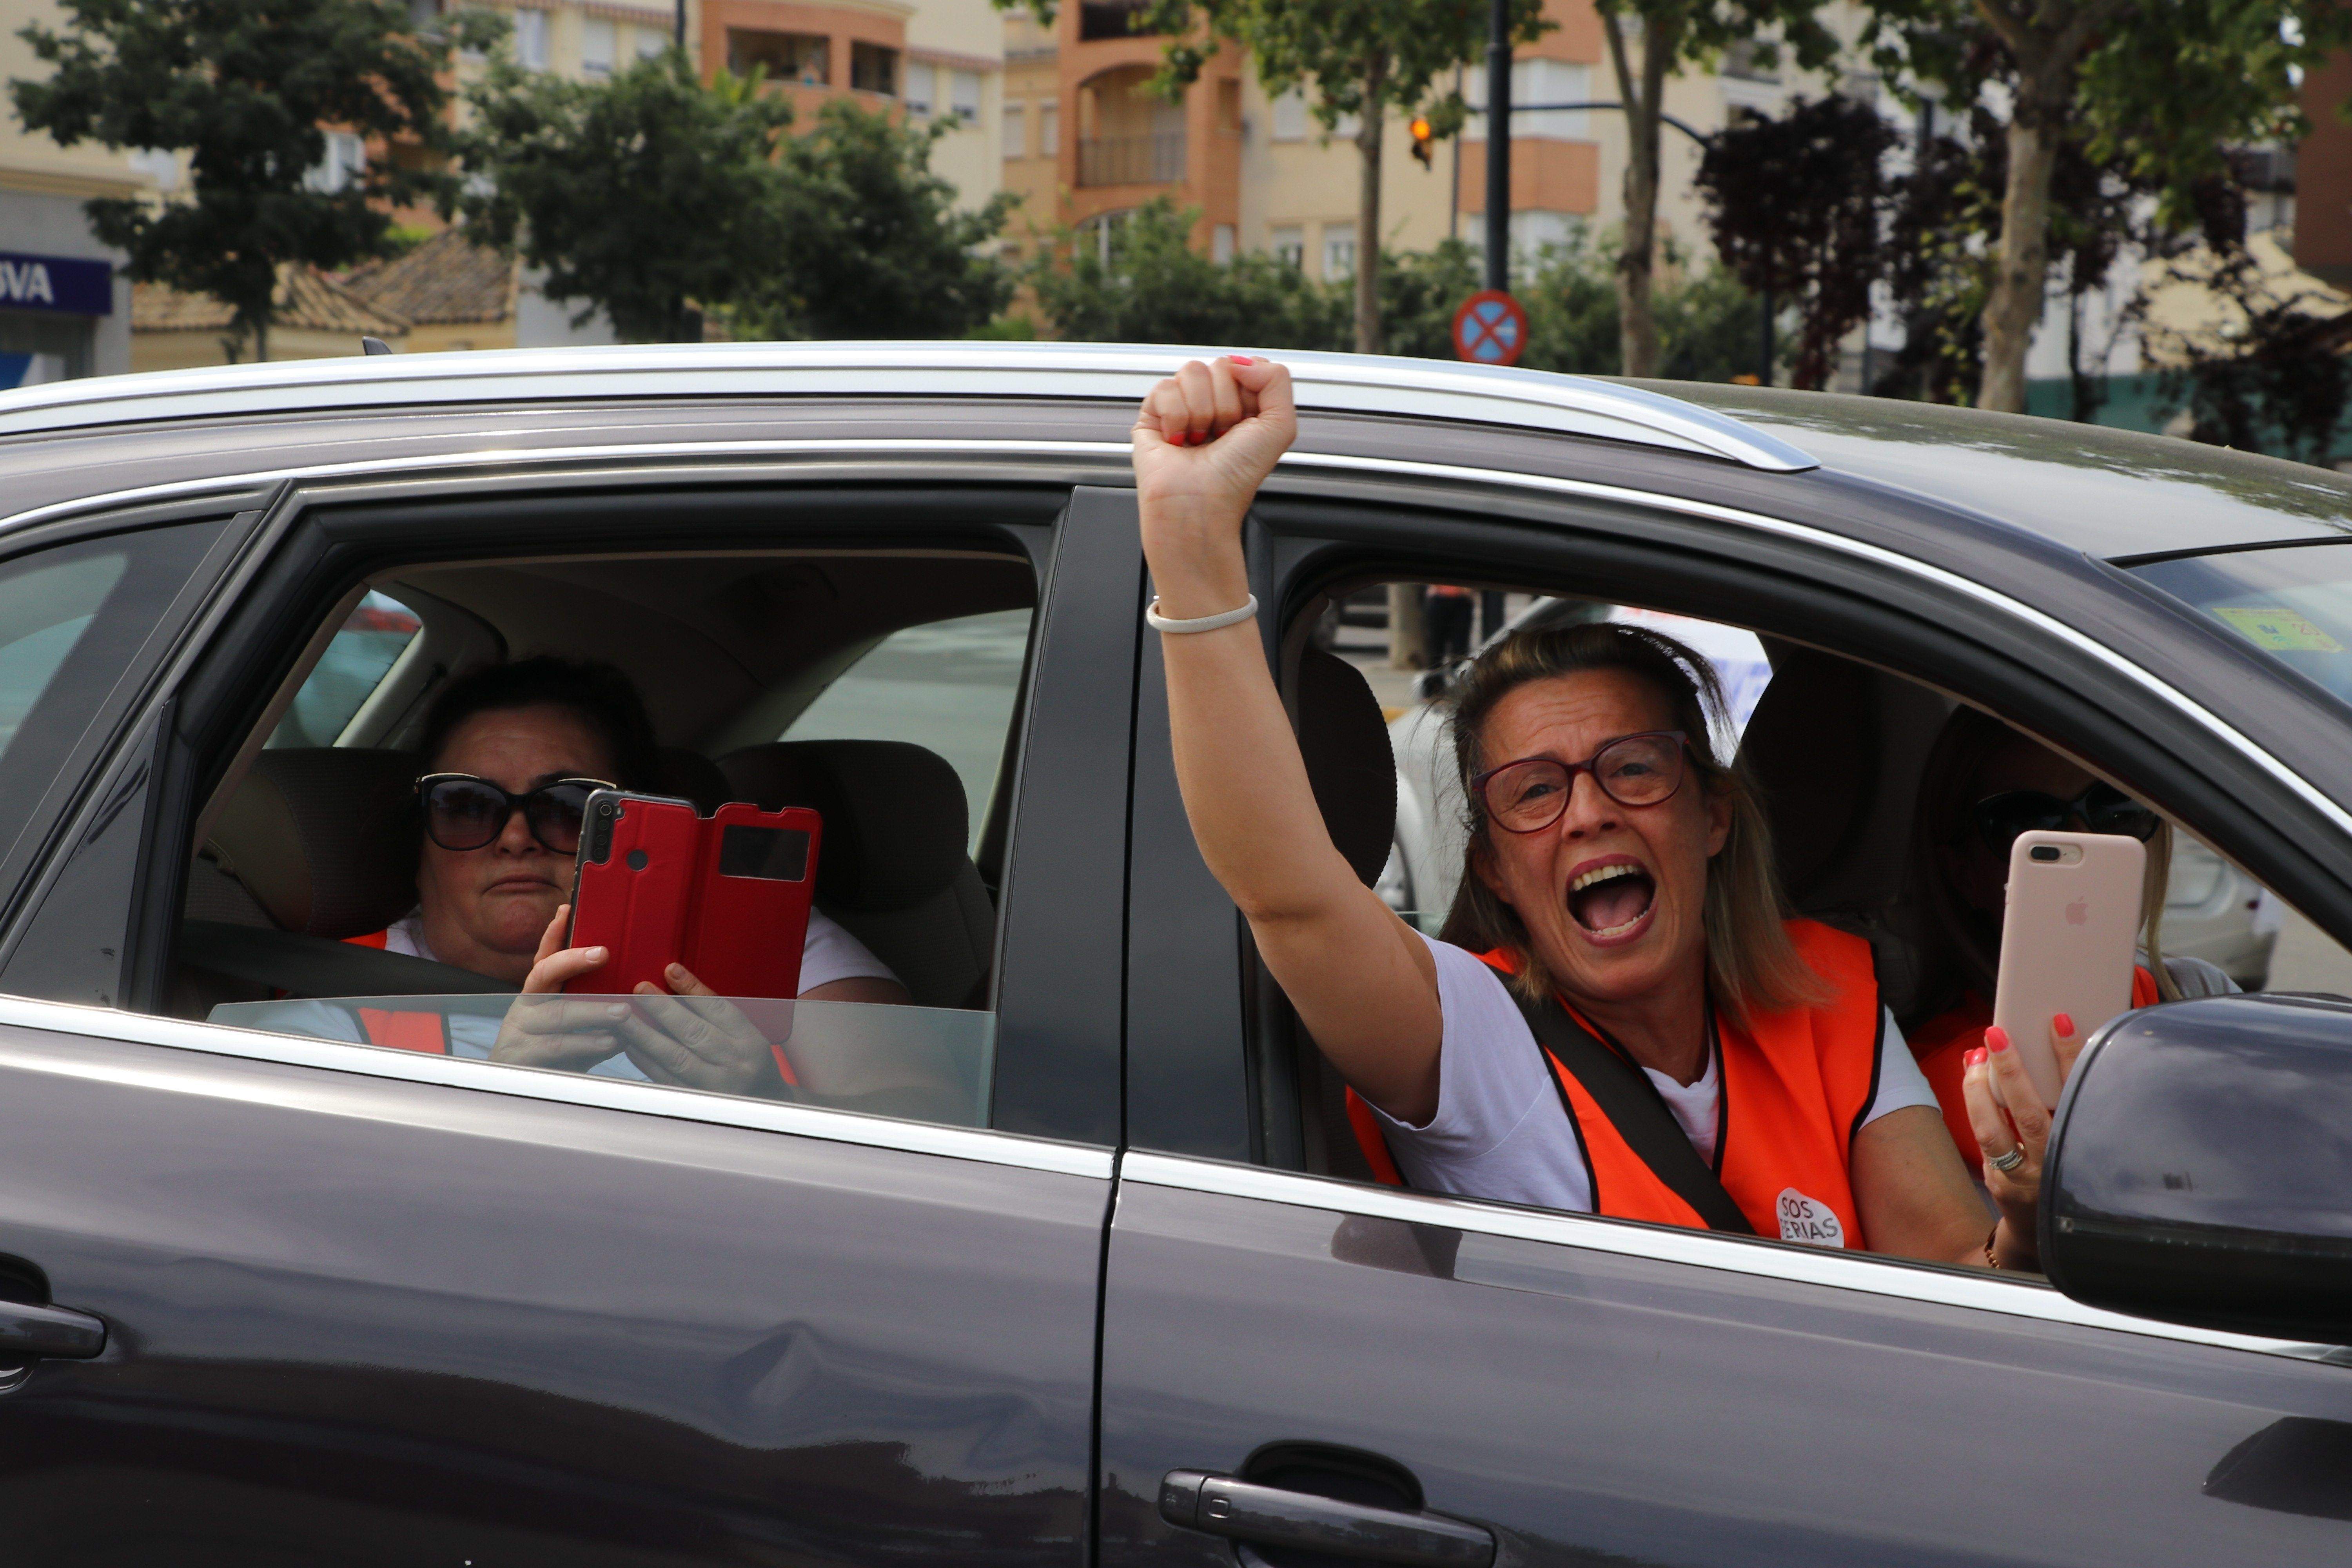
(1498, 144)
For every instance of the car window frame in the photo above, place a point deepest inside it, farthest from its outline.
(328, 536)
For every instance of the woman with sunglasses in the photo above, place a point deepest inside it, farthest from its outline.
(512, 754)
(1983, 785)
(1619, 1017)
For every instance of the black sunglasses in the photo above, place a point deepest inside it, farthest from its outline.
(462, 811)
(2103, 808)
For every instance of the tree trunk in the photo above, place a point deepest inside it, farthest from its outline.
(261, 340)
(1637, 323)
(1408, 633)
(2021, 272)
(1370, 128)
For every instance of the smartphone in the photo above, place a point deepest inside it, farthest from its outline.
(2068, 935)
(726, 895)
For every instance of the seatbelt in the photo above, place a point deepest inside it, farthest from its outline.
(1634, 1108)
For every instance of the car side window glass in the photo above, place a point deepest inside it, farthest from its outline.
(46, 605)
(948, 685)
(867, 746)
(378, 631)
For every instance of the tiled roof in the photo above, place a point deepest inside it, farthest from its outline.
(307, 301)
(449, 279)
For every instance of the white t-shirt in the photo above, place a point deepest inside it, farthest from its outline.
(827, 954)
(1500, 1132)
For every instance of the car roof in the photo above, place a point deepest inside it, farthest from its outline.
(2117, 494)
(2108, 493)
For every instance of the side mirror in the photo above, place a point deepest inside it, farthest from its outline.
(2200, 1168)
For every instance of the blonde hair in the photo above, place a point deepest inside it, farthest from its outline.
(1752, 966)
(1967, 961)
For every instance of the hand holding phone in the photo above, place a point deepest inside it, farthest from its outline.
(2068, 935)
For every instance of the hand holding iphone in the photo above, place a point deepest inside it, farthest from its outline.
(2067, 940)
(726, 895)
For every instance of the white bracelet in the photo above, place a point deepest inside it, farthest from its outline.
(1160, 623)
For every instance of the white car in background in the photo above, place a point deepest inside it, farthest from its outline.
(2213, 910)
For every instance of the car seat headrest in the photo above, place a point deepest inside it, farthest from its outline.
(1813, 745)
(1344, 739)
(320, 837)
(894, 814)
(690, 775)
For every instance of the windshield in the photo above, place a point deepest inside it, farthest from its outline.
(2294, 602)
(933, 1063)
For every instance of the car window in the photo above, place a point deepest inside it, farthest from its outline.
(879, 784)
(948, 685)
(362, 654)
(46, 605)
(2293, 604)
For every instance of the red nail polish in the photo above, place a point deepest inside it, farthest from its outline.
(1996, 1039)
(1972, 1058)
(2064, 1022)
(1241, 359)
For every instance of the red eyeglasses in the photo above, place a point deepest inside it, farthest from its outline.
(1529, 794)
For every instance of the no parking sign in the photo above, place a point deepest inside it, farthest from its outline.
(1490, 329)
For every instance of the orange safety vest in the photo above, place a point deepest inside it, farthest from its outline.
(1941, 1047)
(403, 1031)
(1794, 1085)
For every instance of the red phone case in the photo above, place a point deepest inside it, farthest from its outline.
(726, 895)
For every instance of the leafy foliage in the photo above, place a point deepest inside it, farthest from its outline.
(877, 247)
(246, 86)
(643, 195)
(1798, 205)
(1153, 288)
(2273, 378)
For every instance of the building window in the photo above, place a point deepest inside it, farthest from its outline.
(1109, 18)
(963, 95)
(1289, 244)
(1535, 81)
(1016, 131)
(530, 39)
(651, 43)
(1339, 252)
(1751, 59)
(345, 161)
(802, 58)
(598, 46)
(1290, 116)
(1221, 244)
(874, 68)
(922, 87)
(1049, 130)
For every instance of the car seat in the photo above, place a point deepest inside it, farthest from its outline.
(314, 840)
(1837, 748)
(1343, 738)
(893, 868)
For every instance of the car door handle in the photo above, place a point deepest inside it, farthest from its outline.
(27, 1331)
(1276, 1516)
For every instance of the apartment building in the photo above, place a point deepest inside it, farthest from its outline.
(1084, 142)
(63, 312)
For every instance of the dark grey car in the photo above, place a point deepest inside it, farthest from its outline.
(271, 1296)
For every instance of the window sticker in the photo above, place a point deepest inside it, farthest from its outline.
(2276, 630)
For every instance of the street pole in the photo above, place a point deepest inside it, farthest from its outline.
(1498, 144)
(681, 24)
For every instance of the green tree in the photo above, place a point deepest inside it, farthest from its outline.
(2161, 88)
(877, 247)
(649, 196)
(1364, 59)
(1649, 41)
(249, 90)
(1144, 283)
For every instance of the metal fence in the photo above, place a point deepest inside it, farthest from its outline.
(1156, 160)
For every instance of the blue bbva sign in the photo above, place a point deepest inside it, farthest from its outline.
(56, 283)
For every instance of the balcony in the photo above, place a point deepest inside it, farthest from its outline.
(1108, 19)
(1155, 160)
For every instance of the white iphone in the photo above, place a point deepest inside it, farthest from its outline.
(2067, 940)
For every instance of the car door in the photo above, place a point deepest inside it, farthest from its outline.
(1303, 1368)
(367, 1306)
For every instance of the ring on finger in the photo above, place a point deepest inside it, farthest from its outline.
(2007, 1163)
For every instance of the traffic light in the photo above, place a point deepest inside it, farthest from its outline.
(1421, 141)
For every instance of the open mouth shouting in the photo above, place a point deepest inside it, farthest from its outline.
(1611, 900)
